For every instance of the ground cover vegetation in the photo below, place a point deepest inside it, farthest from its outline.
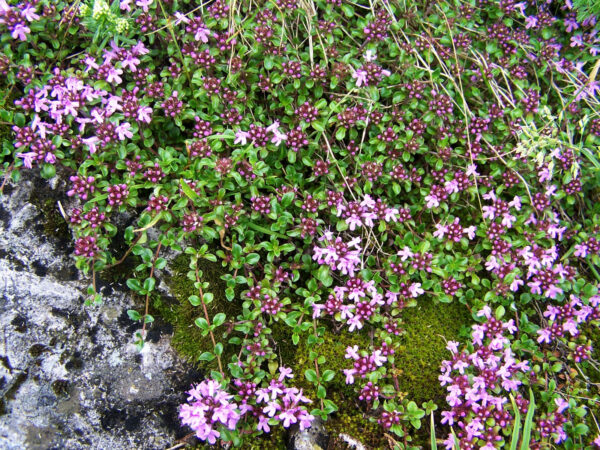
(384, 214)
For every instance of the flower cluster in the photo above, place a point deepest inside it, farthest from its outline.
(479, 381)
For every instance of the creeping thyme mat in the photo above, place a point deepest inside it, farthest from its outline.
(381, 214)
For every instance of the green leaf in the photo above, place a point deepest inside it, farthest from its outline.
(500, 312)
(252, 258)
(237, 251)
(201, 323)
(219, 349)
(321, 391)
(219, 319)
(149, 284)
(324, 277)
(310, 375)
(318, 126)
(187, 190)
(48, 171)
(206, 356)
(328, 375)
(133, 314)
(134, 284)
(287, 199)
(19, 119)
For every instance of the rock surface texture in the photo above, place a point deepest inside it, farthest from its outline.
(70, 375)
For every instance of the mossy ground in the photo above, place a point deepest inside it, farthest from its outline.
(428, 327)
(54, 223)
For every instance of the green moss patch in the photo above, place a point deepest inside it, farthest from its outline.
(428, 327)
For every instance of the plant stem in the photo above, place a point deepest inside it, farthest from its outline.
(212, 336)
(148, 293)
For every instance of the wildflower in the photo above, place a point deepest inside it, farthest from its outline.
(123, 130)
(279, 137)
(144, 4)
(144, 114)
(285, 372)
(20, 32)
(179, 18)
(370, 56)
(360, 76)
(416, 290)
(405, 253)
(113, 75)
(440, 231)
(531, 22)
(241, 137)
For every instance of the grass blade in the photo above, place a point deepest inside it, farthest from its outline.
(433, 442)
(516, 427)
(456, 441)
(528, 422)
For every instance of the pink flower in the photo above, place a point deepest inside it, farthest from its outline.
(352, 352)
(470, 232)
(29, 13)
(561, 403)
(581, 250)
(360, 76)
(131, 62)
(124, 5)
(202, 34)
(179, 18)
(285, 372)
(263, 424)
(123, 131)
(91, 143)
(241, 137)
(432, 201)
(279, 137)
(139, 49)
(440, 231)
(355, 323)
(113, 75)
(452, 346)
(486, 312)
(28, 158)
(273, 127)
(370, 56)
(514, 286)
(448, 418)
(531, 22)
(405, 253)
(20, 31)
(144, 4)
(544, 336)
(416, 290)
(145, 114)
(349, 375)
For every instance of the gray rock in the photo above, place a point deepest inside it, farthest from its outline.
(70, 375)
(313, 438)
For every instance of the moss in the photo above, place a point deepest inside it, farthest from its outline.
(428, 327)
(187, 337)
(54, 223)
(351, 417)
(60, 387)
